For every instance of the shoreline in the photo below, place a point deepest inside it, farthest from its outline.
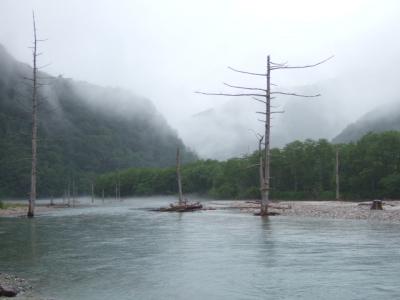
(18, 285)
(349, 210)
(21, 211)
(327, 209)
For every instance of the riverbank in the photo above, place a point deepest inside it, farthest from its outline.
(327, 209)
(21, 210)
(10, 284)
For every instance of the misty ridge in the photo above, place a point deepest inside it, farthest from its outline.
(233, 123)
(84, 129)
(227, 130)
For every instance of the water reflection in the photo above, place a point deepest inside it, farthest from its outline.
(32, 240)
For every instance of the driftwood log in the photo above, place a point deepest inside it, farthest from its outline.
(270, 213)
(181, 207)
(377, 205)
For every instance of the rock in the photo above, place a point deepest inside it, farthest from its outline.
(7, 291)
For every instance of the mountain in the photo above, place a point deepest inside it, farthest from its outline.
(346, 95)
(228, 130)
(83, 130)
(381, 119)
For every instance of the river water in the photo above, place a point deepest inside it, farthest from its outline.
(123, 251)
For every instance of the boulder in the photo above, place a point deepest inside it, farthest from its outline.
(7, 291)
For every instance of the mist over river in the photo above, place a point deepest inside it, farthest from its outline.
(121, 250)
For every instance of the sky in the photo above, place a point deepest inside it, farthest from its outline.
(166, 50)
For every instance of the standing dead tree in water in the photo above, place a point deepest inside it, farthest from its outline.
(36, 84)
(337, 175)
(178, 176)
(182, 205)
(264, 95)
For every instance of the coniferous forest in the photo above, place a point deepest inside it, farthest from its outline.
(369, 168)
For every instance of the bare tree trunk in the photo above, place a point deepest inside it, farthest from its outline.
(337, 175)
(119, 188)
(102, 195)
(92, 192)
(32, 195)
(266, 177)
(73, 192)
(261, 167)
(69, 193)
(178, 175)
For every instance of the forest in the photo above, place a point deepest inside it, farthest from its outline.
(369, 168)
(77, 140)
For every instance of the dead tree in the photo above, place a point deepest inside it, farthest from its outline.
(337, 175)
(183, 205)
(92, 186)
(35, 85)
(265, 95)
(178, 176)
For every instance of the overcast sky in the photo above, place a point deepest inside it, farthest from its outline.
(165, 50)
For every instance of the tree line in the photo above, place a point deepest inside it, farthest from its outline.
(368, 168)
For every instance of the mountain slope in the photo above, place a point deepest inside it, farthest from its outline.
(83, 129)
(378, 120)
(232, 124)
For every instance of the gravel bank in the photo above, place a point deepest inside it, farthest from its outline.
(21, 211)
(329, 209)
(21, 286)
(14, 283)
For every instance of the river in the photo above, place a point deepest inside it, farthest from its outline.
(121, 250)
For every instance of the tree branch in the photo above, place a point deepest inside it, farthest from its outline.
(243, 87)
(279, 64)
(301, 67)
(296, 95)
(277, 112)
(259, 100)
(44, 66)
(233, 95)
(245, 72)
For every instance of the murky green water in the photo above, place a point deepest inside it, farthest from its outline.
(120, 251)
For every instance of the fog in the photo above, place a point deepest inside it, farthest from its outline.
(166, 50)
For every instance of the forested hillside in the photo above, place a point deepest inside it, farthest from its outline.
(83, 130)
(369, 168)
